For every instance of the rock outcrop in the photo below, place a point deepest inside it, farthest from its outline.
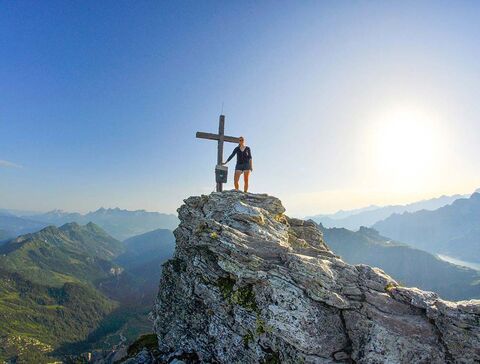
(248, 284)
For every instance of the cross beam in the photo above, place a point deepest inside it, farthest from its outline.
(202, 135)
(220, 137)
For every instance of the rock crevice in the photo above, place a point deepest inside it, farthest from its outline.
(247, 284)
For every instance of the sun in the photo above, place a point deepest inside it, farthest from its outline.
(406, 146)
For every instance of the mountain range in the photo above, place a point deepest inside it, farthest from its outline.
(69, 287)
(452, 230)
(353, 219)
(55, 256)
(48, 293)
(73, 288)
(119, 223)
(410, 266)
(12, 226)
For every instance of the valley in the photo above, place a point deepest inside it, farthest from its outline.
(73, 289)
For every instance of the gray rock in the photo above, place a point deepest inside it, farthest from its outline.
(143, 357)
(247, 284)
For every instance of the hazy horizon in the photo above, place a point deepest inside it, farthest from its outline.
(344, 105)
(27, 212)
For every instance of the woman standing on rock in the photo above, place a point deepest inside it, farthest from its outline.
(244, 163)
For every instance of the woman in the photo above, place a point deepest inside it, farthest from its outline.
(244, 163)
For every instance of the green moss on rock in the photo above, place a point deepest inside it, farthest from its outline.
(148, 341)
(243, 296)
(225, 284)
(389, 287)
(247, 338)
(202, 227)
(261, 327)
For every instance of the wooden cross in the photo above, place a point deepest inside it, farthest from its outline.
(221, 137)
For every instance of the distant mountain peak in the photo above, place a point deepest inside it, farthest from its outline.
(94, 240)
(90, 227)
(117, 222)
(56, 211)
(372, 214)
(103, 210)
(70, 225)
(451, 230)
(48, 229)
(110, 210)
(368, 230)
(95, 228)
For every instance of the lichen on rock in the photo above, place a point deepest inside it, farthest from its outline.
(247, 284)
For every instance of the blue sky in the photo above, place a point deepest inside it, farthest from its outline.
(343, 104)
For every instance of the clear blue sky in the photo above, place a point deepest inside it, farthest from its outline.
(343, 103)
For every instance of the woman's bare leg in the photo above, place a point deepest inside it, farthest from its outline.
(246, 174)
(236, 179)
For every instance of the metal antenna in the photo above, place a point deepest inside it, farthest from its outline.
(222, 109)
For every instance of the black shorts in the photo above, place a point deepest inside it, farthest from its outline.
(242, 167)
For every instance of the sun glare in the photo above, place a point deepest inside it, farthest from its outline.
(407, 146)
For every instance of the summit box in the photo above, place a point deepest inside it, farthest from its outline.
(221, 173)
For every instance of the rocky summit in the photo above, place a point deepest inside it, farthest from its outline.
(247, 284)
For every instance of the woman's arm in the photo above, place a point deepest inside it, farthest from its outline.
(231, 155)
(250, 160)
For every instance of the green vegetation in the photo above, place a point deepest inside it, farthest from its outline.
(46, 316)
(148, 341)
(48, 293)
(243, 296)
(70, 290)
(260, 326)
(389, 287)
(226, 284)
(54, 256)
(124, 323)
(247, 338)
(201, 227)
(24, 350)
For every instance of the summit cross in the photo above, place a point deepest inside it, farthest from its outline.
(220, 137)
